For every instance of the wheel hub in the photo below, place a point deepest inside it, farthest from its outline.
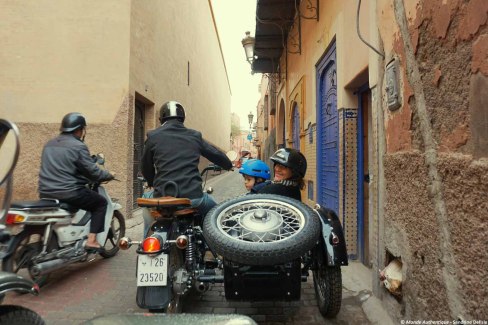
(262, 223)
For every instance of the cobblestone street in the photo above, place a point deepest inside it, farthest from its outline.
(108, 286)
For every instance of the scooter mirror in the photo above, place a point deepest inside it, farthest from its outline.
(232, 155)
(9, 153)
(9, 148)
(100, 159)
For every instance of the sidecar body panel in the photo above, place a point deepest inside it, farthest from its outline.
(332, 237)
(257, 282)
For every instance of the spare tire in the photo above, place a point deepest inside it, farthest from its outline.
(261, 229)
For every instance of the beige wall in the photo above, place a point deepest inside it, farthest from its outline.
(96, 58)
(62, 56)
(166, 36)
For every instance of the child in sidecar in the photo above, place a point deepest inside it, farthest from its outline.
(256, 175)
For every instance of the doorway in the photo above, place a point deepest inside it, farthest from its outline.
(139, 122)
(364, 128)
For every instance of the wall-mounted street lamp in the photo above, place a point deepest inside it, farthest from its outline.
(248, 44)
(250, 116)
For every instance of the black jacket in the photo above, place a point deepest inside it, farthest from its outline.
(292, 191)
(257, 187)
(172, 153)
(66, 166)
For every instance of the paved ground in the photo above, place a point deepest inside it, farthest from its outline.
(108, 286)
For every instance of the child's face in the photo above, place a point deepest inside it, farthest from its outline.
(249, 182)
(282, 172)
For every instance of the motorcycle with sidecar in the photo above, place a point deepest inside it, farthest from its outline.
(262, 247)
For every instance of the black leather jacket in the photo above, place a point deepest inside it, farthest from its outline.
(172, 153)
(66, 166)
(282, 188)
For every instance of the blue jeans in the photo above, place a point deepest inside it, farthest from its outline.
(203, 204)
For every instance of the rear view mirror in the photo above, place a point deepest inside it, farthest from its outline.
(9, 148)
(232, 155)
(9, 153)
(101, 159)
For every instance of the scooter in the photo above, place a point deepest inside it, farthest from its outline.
(53, 234)
(9, 151)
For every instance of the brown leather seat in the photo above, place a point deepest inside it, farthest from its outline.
(163, 202)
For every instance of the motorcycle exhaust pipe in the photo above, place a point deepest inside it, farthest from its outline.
(53, 265)
(201, 287)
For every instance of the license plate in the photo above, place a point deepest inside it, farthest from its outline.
(152, 271)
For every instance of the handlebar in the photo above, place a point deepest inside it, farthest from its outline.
(211, 167)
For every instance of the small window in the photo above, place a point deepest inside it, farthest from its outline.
(310, 190)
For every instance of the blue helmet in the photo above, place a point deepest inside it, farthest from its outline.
(255, 168)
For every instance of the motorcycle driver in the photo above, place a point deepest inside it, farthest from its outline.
(66, 169)
(290, 166)
(172, 153)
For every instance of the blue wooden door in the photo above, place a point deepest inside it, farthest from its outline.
(327, 132)
(296, 127)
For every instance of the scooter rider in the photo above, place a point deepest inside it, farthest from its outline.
(66, 169)
(172, 153)
(290, 166)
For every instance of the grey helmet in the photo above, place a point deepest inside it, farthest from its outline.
(71, 122)
(170, 110)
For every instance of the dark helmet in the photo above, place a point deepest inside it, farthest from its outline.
(171, 110)
(292, 159)
(72, 122)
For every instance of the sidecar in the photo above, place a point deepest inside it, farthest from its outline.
(269, 243)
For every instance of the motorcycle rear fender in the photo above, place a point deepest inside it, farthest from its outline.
(13, 282)
(153, 297)
(336, 254)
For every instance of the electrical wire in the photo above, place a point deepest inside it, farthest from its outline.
(359, 33)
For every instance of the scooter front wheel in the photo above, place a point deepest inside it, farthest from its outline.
(116, 231)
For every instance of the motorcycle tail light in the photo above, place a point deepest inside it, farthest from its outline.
(182, 242)
(151, 244)
(13, 218)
